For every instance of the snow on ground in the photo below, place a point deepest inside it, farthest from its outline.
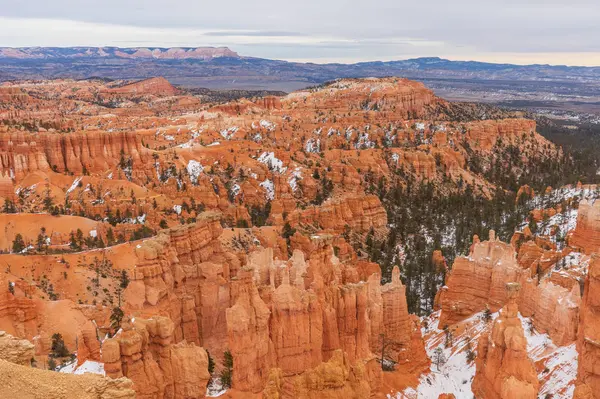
(177, 209)
(74, 185)
(269, 188)
(229, 132)
(215, 388)
(235, 190)
(313, 145)
(295, 176)
(135, 220)
(88, 366)
(560, 363)
(270, 126)
(563, 194)
(456, 375)
(194, 168)
(557, 366)
(274, 163)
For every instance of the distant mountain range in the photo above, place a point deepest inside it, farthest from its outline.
(56, 53)
(222, 68)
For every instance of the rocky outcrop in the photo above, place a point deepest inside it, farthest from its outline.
(30, 383)
(95, 152)
(338, 378)
(14, 350)
(485, 133)
(152, 86)
(503, 368)
(18, 312)
(477, 282)
(143, 351)
(403, 98)
(401, 330)
(553, 309)
(587, 233)
(295, 328)
(588, 341)
(359, 213)
(248, 335)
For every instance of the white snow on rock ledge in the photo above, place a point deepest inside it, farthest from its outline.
(457, 374)
(74, 185)
(558, 377)
(269, 188)
(274, 163)
(88, 366)
(229, 132)
(194, 169)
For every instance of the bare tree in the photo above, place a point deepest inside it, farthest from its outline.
(439, 359)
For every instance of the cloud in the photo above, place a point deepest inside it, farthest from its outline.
(353, 30)
(253, 33)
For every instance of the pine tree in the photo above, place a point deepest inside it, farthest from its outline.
(211, 363)
(18, 245)
(439, 359)
(227, 372)
(59, 349)
(116, 317)
(124, 279)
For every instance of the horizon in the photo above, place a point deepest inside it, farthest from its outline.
(492, 60)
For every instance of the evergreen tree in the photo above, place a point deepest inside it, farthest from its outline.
(59, 349)
(227, 372)
(18, 245)
(211, 363)
(116, 317)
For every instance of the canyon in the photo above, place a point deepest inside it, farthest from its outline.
(160, 246)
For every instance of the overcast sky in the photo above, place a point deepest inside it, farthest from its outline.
(525, 31)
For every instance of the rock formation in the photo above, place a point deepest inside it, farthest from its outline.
(14, 350)
(477, 281)
(338, 378)
(587, 233)
(554, 309)
(18, 379)
(504, 369)
(95, 152)
(152, 86)
(236, 228)
(31, 383)
(143, 352)
(360, 214)
(588, 342)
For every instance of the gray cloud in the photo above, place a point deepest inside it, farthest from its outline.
(349, 29)
(254, 33)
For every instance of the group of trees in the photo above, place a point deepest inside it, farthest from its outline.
(226, 374)
(58, 351)
(444, 213)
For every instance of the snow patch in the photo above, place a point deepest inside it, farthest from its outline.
(74, 185)
(194, 168)
(272, 162)
(269, 188)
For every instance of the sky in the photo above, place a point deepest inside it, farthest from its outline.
(512, 31)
